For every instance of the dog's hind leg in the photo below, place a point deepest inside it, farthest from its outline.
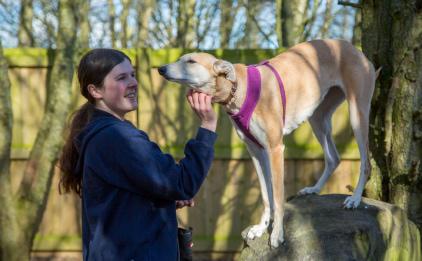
(359, 106)
(359, 118)
(321, 125)
(261, 163)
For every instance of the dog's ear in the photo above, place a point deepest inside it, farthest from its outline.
(226, 68)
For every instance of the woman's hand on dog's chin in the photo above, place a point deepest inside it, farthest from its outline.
(202, 106)
(184, 203)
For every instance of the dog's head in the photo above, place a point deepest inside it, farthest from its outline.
(201, 72)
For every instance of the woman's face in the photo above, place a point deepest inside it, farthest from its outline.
(120, 90)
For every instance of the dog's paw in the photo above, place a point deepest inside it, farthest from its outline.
(256, 231)
(309, 190)
(259, 229)
(276, 239)
(352, 202)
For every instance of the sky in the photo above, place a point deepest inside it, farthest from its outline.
(100, 36)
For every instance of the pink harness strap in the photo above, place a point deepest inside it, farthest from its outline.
(243, 117)
(280, 84)
(253, 92)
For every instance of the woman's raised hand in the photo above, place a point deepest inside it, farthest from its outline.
(185, 203)
(201, 105)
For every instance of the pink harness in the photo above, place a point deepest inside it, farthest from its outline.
(243, 117)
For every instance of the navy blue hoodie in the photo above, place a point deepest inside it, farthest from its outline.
(129, 189)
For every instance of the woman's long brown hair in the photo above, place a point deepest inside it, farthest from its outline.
(93, 68)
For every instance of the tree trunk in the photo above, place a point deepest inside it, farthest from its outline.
(123, 23)
(83, 39)
(185, 24)
(143, 63)
(9, 239)
(144, 10)
(228, 10)
(25, 37)
(357, 29)
(22, 213)
(328, 17)
(391, 39)
(112, 21)
(291, 17)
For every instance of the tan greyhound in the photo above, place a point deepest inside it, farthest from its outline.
(317, 76)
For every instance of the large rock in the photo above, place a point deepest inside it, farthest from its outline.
(318, 228)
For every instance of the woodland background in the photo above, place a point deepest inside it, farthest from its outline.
(43, 41)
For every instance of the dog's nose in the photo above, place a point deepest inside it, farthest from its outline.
(162, 70)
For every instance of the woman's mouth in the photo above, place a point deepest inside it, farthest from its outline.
(131, 95)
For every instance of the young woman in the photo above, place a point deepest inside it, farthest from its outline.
(129, 188)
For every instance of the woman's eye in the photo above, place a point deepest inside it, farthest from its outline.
(191, 61)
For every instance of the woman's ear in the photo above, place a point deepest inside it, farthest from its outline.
(95, 92)
(226, 68)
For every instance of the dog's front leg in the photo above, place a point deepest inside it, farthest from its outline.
(262, 167)
(276, 155)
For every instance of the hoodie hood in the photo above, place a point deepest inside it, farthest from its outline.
(100, 120)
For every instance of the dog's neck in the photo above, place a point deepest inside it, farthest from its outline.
(231, 95)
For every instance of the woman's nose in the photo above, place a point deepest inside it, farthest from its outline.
(133, 84)
(133, 81)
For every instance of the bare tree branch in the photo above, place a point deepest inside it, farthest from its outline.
(261, 31)
(208, 18)
(346, 3)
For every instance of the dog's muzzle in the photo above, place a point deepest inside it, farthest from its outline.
(162, 70)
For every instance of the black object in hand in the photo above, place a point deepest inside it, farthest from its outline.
(185, 243)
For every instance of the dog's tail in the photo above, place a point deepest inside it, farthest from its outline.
(377, 73)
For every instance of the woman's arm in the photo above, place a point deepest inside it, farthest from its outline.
(126, 158)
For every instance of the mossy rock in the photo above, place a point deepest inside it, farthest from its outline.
(318, 228)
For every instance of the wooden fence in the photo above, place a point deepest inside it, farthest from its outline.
(229, 200)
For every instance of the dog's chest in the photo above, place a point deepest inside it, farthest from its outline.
(259, 132)
(255, 129)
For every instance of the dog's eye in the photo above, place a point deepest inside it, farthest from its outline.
(190, 61)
